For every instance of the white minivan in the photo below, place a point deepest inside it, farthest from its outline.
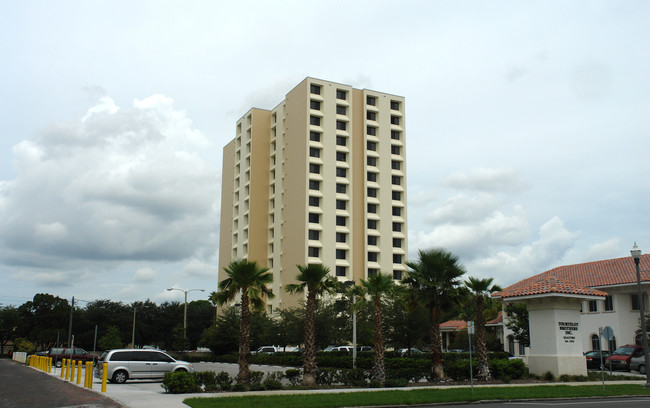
(125, 364)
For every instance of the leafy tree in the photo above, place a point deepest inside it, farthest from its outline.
(43, 317)
(9, 320)
(111, 339)
(245, 278)
(24, 345)
(406, 328)
(517, 322)
(480, 290)
(317, 280)
(434, 282)
(222, 338)
(377, 287)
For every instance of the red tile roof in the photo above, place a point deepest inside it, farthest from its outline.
(453, 325)
(579, 278)
(497, 320)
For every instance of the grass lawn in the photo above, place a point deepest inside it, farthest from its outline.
(368, 398)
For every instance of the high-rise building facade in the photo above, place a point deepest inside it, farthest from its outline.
(320, 178)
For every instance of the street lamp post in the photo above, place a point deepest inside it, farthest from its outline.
(185, 313)
(636, 255)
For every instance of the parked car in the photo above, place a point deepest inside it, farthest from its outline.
(593, 358)
(620, 358)
(266, 350)
(404, 352)
(343, 349)
(125, 364)
(638, 363)
(76, 353)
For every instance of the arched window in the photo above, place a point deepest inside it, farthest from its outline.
(638, 339)
(595, 342)
(612, 344)
(511, 345)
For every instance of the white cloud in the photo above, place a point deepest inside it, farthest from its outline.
(487, 179)
(54, 230)
(144, 275)
(608, 249)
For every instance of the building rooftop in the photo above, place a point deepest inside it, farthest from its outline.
(581, 279)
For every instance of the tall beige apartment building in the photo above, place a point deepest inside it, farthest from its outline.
(320, 178)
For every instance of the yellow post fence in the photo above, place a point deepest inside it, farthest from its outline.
(64, 371)
(104, 376)
(73, 366)
(78, 372)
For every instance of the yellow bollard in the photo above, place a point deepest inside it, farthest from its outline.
(67, 369)
(104, 374)
(63, 370)
(73, 366)
(78, 372)
(49, 364)
(86, 375)
(91, 375)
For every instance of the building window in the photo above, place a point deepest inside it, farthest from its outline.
(371, 116)
(397, 275)
(372, 240)
(315, 89)
(638, 339)
(341, 237)
(371, 130)
(372, 208)
(314, 201)
(371, 161)
(341, 94)
(340, 125)
(395, 165)
(397, 226)
(372, 256)
(340, 253)
(341, 110)
(395, 135)
(341, 156)
(394, 105)
(397, 258)
(314, 218)
(609, 303)
(634, 299)
(314, 185)
(314, 152)
(397, 211)
(314, 235)
(372, 192)
(341, 188)
(595, 342)
(394, 120)
(397, 195)
(341, 172)
(371, 176)
(371, 100)
(314, 168)
(593, 306)
(371, 146)
(341, 221)
(372, 224)
(313, 252)
(315, 105)
(341, 141)
(397, 242)
(612, 344)
(341, 204)
(522, 349)
(395, 150)
(372, 272)
(314, 136)
(314, 120)
(396, 180)
(511, 345)
(340, 271)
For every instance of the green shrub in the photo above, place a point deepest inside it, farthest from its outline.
(294, 376)
(548, 376)
(256, 381)
(224, 381)
(459, 369)
(395, 382)
(326, 376)
(239, 387)
(206, 380)
(357, 377)
(513, 369)
(180, 382)
(273, 381)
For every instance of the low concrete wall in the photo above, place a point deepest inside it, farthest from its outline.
(558, 365)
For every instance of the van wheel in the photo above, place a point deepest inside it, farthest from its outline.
(120, 377)
(58, 363)
(181, 370)
(642, 369)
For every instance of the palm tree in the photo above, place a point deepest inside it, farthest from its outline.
(377, 287)
(434, 282)
(316, 279)
(249, 280)
(480, 289)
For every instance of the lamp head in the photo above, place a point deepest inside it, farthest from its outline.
(636, 252)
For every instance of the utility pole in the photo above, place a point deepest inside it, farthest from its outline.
(70, 326)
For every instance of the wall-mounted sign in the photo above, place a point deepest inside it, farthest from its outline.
(568, 330)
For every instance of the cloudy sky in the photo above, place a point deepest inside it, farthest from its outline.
(527, 129)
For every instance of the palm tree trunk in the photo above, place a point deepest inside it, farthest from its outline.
(309, 358)
(481, 349)
(437, 371)
(244, 375)
(378, 370)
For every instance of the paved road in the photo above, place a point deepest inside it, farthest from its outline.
(22, 386)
